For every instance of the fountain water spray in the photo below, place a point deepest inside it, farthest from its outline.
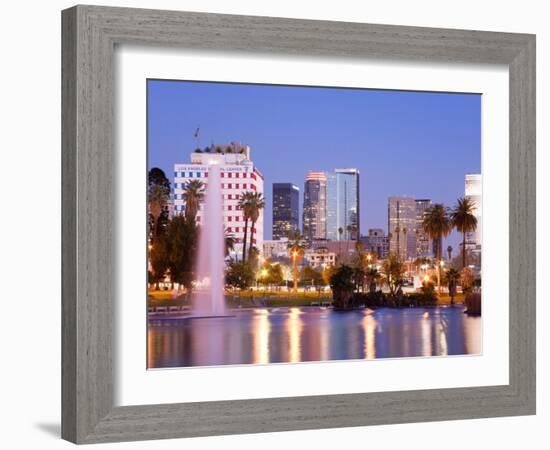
(209, 296)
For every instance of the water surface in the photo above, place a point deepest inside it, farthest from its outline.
(292, 335)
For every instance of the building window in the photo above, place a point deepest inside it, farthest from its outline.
(229, 185)
(198, 174)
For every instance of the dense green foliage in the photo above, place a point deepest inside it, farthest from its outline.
(239, 275)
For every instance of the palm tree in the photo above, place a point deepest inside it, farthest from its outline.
(245, 206)
(452, 277)
(464, 220)
(372, 278)
(296, 248)
(437, 225)
(257, 204)
(449, 252)
(193, 195)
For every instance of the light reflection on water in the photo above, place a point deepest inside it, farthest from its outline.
(311, 334)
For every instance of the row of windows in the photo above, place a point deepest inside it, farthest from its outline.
(222, 175)
(224, 186)
(238, 230)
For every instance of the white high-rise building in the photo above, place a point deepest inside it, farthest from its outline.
(238, 175)
(472, 190)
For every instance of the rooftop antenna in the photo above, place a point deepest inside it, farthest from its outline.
(197, 136)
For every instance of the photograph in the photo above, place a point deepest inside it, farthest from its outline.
(296, 224)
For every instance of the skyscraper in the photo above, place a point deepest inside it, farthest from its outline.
(472, 190)
(238, 174)
(423, 248)
(285, 210)
(402, 226)
(315, 206)
(343, 204)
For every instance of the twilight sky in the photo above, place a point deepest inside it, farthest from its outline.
(404, 143)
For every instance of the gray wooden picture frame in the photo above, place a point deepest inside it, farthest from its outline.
(90, 34)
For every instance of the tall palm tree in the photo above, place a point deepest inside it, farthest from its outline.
(257, 204)
(193, 195)
(296, 249)
(437, 225)
(450, 252)
(245, 205)
(464, 220)
(452, 276)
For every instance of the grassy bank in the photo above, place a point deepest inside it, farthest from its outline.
(251, 299)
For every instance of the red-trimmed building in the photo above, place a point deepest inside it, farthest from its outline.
(238, 175)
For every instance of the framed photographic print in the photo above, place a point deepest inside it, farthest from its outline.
(278, 224)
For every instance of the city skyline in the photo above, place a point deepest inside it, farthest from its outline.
(387, 135)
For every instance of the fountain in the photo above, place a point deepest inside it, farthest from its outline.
(208, 300)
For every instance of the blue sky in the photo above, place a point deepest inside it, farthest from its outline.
(418, 144)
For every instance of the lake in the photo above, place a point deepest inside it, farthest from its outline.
(292, 335)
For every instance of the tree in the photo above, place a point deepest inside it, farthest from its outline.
(274, 274)
(254, 258)
(193, 194)
(464, 220)
(181, 239)
(326, 274)
(466, 279)
(158, 196)
(310, 276)
(372, 276)
(239, 275)
(297, 249)
(436, 225)
(245, 204)
(257, 203)
(341, 283)
(393, 270)
(451, 277)
(159, 259)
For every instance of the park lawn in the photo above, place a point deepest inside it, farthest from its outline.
(164, 298)
(274, 299)
(445, 299)
(250, 299)
(245, 299)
